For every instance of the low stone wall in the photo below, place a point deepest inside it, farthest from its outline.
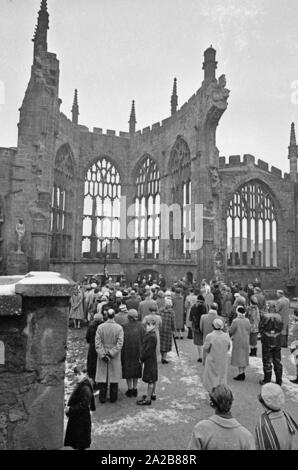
(33, 339)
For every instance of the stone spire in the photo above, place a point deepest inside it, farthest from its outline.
(132, 120)
(293, 154)
(174, 98)
(209, 65)
(41, 29)
(75, 108)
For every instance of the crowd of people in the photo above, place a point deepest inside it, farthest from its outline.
(131, 328)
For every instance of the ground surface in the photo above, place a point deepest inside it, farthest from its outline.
(181, 401)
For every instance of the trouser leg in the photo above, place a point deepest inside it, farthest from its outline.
(102, 392)
(267, 363)
(113, 392)
(276, 357)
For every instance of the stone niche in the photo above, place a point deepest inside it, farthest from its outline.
(33, 340)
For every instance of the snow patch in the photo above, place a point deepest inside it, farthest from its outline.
(141, 421)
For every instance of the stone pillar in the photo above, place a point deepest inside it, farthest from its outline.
(33, 338)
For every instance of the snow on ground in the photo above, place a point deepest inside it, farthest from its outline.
(143, 420)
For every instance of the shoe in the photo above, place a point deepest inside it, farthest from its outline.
(263, 382)
(164, 361)
(134, 392)
(295, 381)
(129, 393)
(240, 377)
(153, 397)
(144, 402)
(200, 360)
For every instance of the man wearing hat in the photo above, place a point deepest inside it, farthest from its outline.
(122, 317)
(275, 428)
(133, 301)
(270, 328)
(216, 347)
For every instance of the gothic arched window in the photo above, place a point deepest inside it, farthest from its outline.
(101, 219)
(62, 197)
(252, 227)
(180, 218)
(147, 210)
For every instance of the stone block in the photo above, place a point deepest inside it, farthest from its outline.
(248, 159)
(222, 162)
(263, 165)
(234, 160)
(276, 172)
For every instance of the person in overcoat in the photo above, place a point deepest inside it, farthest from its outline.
(131, 352)
(240, 332)
(178, 307)
(155, 316)
(190, 301)
(227, 303)
(76, 307)
(108, 343)
(92, 354)
(167, 329)
(81, 401)
(253, 314)
(216, 347)
(149, 360)
(196, 312)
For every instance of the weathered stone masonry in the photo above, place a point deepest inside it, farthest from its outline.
(33, 334)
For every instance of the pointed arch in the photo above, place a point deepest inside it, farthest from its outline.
(252, 226)
(180, 171)
(101, 215)
(147, 208)
(62, 204)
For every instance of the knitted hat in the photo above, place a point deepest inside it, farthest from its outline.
(273, 396)
(123, 308)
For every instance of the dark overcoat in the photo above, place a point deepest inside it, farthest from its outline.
(195, 315)
(149, 358)
(131, 351)
(92, 354)
(78, 431)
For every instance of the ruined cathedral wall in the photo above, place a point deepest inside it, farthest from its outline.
(234, 174)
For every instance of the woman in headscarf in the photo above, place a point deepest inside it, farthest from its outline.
(149, 360)
(239, 332)
(216, 347)
(167, 329)
(92, 354)
(131, 352)
(154, 315)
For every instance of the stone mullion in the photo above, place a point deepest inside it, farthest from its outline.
(233, 233)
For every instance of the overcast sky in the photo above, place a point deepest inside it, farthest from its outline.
(114, 51)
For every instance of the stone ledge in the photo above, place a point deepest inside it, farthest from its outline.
(44, 284)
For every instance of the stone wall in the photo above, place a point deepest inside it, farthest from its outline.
(32, 372)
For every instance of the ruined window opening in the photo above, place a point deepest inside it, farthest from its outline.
(252, 227)
(62, 200)
(180, 170)
(101, 216)
(147, 211)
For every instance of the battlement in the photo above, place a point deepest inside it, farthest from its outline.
(250, 160)
(7, 152)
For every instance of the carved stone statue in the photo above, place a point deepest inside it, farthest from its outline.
(20, 229)
(214, 179)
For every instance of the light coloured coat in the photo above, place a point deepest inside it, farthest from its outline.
(283, 308)
(109, 338)
(239, 332)
(216, 347)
